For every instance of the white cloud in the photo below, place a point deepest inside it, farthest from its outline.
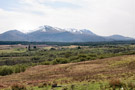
(104, 17)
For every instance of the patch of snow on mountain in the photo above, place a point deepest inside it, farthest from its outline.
(72, 30)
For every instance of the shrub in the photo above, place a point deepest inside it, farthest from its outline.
(82, 56)
(91, 58)
(19, 68)
(35, 58)
(46, 63)
(35, 47)
(68, 54)
(78, 47)
(52, 49)
(18, 87)
(5, 70)
(73, 58)
(42, 85)
(116, 83)
(59, 61)
(131, 85)
(82, 59)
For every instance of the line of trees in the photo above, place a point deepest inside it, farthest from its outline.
(67, 43)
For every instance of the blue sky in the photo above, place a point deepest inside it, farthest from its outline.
(11, 4)
(8, 4)
(60, 4)
(103, 17)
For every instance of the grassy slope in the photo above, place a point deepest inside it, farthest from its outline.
(103, 69)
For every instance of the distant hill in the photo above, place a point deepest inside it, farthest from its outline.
(13, 35)
(119, 37)
(54, 34)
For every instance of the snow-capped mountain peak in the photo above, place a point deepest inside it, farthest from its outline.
(50, 29)
(85, 31)
(40, 28)
(54, 34)
(72, 30)
(82, 31)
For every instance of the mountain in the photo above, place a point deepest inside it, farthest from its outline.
(82, 31)
(120, 37)
(48, 29)
(13, 35)
(48, 33)
(54, 34)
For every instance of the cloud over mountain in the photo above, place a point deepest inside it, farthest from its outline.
(104, 17)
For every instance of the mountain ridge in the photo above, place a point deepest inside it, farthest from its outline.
(54, 34)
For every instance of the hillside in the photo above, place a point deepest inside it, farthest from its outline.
(102, 69)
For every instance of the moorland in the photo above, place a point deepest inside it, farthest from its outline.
(78, 66)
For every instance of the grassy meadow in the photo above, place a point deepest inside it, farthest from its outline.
(74, 67)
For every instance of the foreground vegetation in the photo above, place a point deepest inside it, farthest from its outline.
(15, 60)
(24, 57)
(111, 85)
(43, 67)
(117, 73)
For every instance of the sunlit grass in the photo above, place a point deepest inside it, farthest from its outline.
(16, 50)
(123, 62)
